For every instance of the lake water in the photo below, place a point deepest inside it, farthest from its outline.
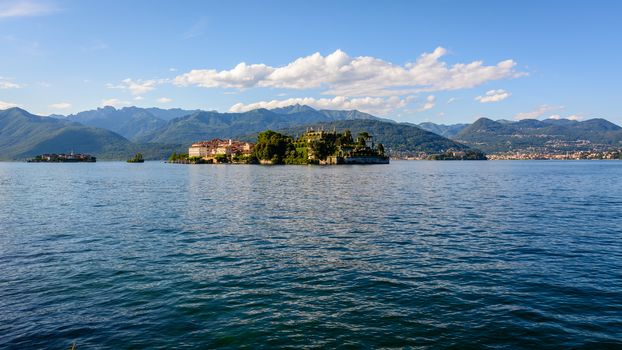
(498, 255)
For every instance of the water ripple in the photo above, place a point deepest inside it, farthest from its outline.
(421, 255)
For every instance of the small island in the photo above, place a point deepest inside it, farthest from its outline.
(459, 155)
(138, 158)
(63, 158)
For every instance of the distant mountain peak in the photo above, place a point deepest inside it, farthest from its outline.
(296, 108)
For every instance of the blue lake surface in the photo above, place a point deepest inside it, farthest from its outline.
(497, 255)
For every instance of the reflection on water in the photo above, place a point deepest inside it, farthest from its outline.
(420, 254)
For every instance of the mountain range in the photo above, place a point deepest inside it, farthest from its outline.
(112, 133)
(129, 122)
(544, 136)
(24, 135)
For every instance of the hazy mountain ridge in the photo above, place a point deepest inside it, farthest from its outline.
(541, 135)
(102, 131)
(24, 135)
(442, 129)
(207, 125)
(129, 122)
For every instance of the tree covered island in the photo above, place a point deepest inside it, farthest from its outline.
(318, 147)
(312, 147)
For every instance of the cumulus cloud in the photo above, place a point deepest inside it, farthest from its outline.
(493, 96)
(342, 75)
(114, 102)
(430, 101)
(538, 112)
(25, 8)
(373, 105)
(165, 100)
(60, 105)
(136, 87)
(7, 105)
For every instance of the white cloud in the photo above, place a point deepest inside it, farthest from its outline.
(373, 105)
(429, 104)
(493, 96)
(25, 8)
(342, 75)
(7, 105)
(575, 117)
(538, 112)
(452, 100)
(114, 102)
(60, 105)
(9, 85)
(165, 100)
(136, 87)
(138, 98)
(6, 83)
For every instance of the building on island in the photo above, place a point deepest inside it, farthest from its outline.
(324, 147)
(63, 158)
(217, 148)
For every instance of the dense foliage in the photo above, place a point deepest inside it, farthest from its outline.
(277, 148)
(396, 138)
(138, 158)
(312, 147)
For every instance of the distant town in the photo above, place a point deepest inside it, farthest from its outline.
(577, 155)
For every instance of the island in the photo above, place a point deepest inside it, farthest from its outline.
(63, 158)
(312, 147)
(138, 158)
(459, 155)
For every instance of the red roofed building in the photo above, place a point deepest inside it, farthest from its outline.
(209, 149)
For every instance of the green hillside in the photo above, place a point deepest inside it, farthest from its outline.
(23, 135)
(396, 138)
(532, 135)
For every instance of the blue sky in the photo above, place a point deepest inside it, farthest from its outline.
(440, 61)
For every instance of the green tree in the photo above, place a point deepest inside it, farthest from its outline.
(362, 137)
(380, 149)
(272, 146)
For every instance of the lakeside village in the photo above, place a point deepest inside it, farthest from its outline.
(576, 155)
(313, 147)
